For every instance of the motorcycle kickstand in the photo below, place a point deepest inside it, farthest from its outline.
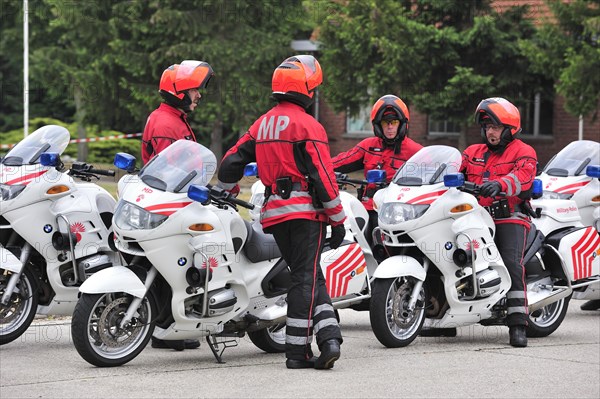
(213, 348)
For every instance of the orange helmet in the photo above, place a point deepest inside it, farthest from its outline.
(177, 79)
(390, 107)
(499, 111)
(296, 79)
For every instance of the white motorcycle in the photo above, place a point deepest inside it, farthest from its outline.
(452, 274)
(195, 267)
(572, 197)
(54, 232)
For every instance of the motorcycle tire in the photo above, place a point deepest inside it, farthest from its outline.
(97, 335)
(389, 299)
(17, 315)
(270, 339)
(546, 320)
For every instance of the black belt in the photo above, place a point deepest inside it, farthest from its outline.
(297, 186)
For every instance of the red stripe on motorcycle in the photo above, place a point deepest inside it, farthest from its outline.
(426, 198)
(344, 264)
(348, 276)
(571, 188)
(176, 205)
(582, 253)
(22, 179)
(343, 274)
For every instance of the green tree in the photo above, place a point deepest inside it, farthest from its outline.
(441, 56)
(243, 42)
(568, 49)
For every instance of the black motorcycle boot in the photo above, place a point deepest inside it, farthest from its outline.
(330, 352)
(594, 304)
(518, 336)
(300, 364)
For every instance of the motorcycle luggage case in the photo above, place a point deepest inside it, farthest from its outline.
(580, 248)
(345, 269)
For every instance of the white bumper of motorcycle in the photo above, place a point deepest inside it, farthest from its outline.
(114, 279)
(400, 265)
(9, 262)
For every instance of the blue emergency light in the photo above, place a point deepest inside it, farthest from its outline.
(454, 180)
(124, 161)
(376, 176)
(593, 171)
(199, 194)
(50, 158)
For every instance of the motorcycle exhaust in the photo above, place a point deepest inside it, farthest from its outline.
(553, 297)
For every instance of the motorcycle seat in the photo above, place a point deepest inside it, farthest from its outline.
(259, 245)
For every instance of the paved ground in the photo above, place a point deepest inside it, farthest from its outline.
(477, 363)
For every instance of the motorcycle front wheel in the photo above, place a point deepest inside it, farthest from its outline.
(97, 332)
(546, 320)
(16, 316)
(392, 323)
(270, 339)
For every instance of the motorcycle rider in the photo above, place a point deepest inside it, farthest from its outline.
(388, 150)
(291, 150)
(505, 164)
(179, 87)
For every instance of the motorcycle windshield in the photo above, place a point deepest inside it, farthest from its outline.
(50, 138)
(183, 163)
(574, 158)
(429, 166)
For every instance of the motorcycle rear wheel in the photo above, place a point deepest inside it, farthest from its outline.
(17, 315)
(270, 339)
(96, 332)
(392, 324)
(546, 320)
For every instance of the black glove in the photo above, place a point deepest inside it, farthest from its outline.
(490, 189)
(338, 233)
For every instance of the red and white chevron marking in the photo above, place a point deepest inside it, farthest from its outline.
(571, 188)
(339, 272)
(584, 252)
(87, 140)
(25, 180)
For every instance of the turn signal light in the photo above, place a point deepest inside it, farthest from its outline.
(201, 227)
(461, 208)
(61, 188)
(361, 269)
(596, 198)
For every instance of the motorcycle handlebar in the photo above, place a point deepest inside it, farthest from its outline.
(102, 172)
(220, 195)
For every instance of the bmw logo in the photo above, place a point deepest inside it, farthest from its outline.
(448, 246)
(181, 261)
(48, 228)
(353, 273)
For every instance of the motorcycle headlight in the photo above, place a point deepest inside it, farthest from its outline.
(397, 212)
(10, 192)
(131, 217)
(553, 195)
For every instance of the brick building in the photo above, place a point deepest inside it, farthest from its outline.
(546, 126)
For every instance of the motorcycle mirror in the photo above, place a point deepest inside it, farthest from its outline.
(199, 194)
(537, 190)
(251, 169)
(50, 158)
(593, 171)
(376, 176)
(124, 162)
(454, 180)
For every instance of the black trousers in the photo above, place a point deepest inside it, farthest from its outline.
(511, 239)
(309, 305)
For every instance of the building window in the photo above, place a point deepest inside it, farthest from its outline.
(537, 116)
(359, 125)
(443, 127)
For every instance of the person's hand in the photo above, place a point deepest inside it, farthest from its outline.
(338, 232)
(490, 189)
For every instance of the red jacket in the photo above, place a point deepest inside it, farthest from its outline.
(288, 142)
(164, 126)
(372, 153)
(514, 169)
